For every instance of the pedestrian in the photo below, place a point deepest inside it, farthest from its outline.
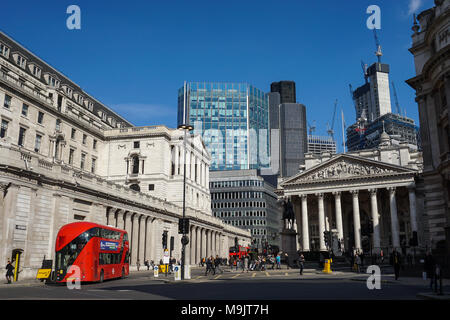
(245, 263)
(278, 261)
(272, 261)
(138, 264)
(287, 260)
(430, 267)
(358, 263)
(208, 266)
(301, 262)
(382, 256)
(147, 264)
(217, 263)
(9, 271)
(397, 264)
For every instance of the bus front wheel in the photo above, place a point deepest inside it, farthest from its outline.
(101, 276)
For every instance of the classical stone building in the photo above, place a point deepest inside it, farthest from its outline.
(346, 193)
(431, 50)
(65, 157)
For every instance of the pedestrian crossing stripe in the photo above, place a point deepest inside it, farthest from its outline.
(254, 274)
(217, 277)
(199, 277)
(237, 275)
(286, 274)
(267, 274)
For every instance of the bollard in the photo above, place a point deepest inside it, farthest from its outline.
(326, 266)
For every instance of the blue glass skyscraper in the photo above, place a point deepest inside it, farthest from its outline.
(233, 120)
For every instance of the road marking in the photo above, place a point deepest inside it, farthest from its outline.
(218, 276)
(286, 274)
(237, 275)
(254, 274)
(267, 274)
(199, 277)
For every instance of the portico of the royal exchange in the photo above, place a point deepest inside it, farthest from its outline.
(370, 206)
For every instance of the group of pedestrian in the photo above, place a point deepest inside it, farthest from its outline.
(213, 265)
(433, 272)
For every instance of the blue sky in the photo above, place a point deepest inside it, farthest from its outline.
(134, 55)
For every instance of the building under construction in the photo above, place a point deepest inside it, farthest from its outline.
(372, 102)
(366, 135)
(319, 144)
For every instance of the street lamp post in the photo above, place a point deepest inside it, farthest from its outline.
(184, 239)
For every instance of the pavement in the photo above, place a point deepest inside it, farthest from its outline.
(232, 274)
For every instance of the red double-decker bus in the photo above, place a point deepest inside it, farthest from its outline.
(238, 252)
(100, 252)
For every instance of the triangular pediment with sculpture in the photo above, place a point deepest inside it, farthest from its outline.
(344, 167)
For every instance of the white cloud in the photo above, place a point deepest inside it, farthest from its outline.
(413, 6)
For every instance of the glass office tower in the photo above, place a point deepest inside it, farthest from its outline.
(232, 118)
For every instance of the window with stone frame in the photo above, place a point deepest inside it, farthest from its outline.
(4, 128)
(7, 101)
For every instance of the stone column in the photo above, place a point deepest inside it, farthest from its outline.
(321, 222)
(203, 243)
(305, 224)
(148, 237)
(412, 208)
(141, 252)
(127, 225)
(339, 224)
(118, 220)
(214, 243)
(198, 245)
(134, 239)
(394, 219)
(210, 246)
(192, 245)
(356, 220)
(375, 220)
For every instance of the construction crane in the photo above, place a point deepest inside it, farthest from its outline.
(397, 106)
(312, 128)
(378, 53)
(331, 130)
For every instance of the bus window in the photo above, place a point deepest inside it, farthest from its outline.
(67, 255)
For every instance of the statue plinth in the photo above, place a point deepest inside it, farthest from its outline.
(288, 244)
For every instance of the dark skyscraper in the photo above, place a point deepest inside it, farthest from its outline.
(289, 131)
(286, 89)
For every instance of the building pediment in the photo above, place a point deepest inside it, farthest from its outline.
(343, 167)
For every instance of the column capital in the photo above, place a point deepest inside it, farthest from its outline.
(391, 190)
(373, 191)
(319, 195)
(354, 192)
(303, 196)
(337, 193)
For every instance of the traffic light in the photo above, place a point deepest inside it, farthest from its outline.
(326, 237)
(164, 239)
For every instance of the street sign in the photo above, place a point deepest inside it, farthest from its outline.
(177, 272)
(166, 256)
(155, 271)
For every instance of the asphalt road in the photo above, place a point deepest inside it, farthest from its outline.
(270, 285)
